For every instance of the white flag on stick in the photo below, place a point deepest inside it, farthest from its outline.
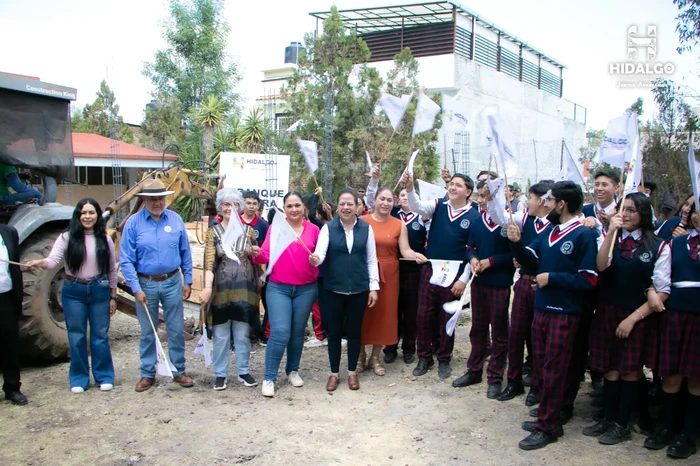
(455, 307)
(694, 165)
(233, 231)
(394, 107)
(430, 192)
(570, 171)
(497, 188)
(426, 111)
(618, 139)
(500, 140)
(202, 347)
(369, 161)
(281, 236)
(455, 117)
(634, 167)
(444, 272)
(163, 365)
(309, 149)
(411, 162)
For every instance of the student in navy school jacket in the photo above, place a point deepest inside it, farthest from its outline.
(606, 183)
(449, 233)
(676, 295)
(565, 262)
(678, 223)
(624, 331)
(532, 222)
(488, 251)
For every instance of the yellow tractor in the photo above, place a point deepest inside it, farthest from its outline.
(35, 133)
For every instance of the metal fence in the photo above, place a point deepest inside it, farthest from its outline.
(537, 160)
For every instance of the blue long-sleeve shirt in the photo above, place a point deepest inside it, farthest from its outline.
(154, 248)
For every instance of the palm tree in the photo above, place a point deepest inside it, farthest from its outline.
(253, 133)
(209, 115)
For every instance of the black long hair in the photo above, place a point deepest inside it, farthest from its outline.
(646, 220)
(75, 252)
(679, 208)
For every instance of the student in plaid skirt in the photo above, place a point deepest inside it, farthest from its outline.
(623, 335)
(677, 294)
(565, 263)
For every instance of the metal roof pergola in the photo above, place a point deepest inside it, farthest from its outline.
(388, 18)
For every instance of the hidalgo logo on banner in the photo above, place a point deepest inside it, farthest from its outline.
(266, 174)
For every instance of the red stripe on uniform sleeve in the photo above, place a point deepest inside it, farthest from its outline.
(591, 278)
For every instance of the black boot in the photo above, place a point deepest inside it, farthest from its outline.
(682, 448)
(536, 440)
(665, 435)
(533, 397)
(512, 390)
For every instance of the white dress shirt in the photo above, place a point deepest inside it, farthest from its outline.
(5, 279)
(662, 271)
(372, 267)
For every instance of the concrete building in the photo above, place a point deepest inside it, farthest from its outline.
(470, 58)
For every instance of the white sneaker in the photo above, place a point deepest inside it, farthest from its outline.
(295, 379)
(268, 388)
(343, 343)
(105, 387)
(314, 343)
(77, 390)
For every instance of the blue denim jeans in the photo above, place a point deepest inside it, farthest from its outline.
(22, 192)
(82, 304)
(222, 347)
(288, 309)
(169, 294)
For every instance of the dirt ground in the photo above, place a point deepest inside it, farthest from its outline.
(393, 420)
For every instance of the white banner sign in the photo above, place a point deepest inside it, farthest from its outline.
(266, 174)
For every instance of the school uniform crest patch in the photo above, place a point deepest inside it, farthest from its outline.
(567, 248)
(464, 223)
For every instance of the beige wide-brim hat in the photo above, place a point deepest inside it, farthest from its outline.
(154, 188)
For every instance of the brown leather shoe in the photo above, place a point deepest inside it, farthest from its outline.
(184, 380)
(144, 384)
(332, 383)
(353, 382)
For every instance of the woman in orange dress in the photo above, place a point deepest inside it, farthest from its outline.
(380, 323)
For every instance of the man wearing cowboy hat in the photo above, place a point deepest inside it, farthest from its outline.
(154, 250)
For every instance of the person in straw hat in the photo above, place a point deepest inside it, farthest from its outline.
(154, 250)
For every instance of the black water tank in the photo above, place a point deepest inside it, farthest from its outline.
(291, 52)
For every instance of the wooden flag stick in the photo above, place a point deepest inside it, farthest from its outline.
(505, 178)
(620, 201)
(410, 153)
(385, 152)
(316, 182)
(14, 263)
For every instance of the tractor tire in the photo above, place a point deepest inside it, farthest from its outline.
(42, 327)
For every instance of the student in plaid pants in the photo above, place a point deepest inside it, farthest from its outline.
(451, 221)
(565, 263)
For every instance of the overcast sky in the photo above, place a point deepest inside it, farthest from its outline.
(78, 43)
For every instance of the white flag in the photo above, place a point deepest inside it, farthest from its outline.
(202, 347)
(426, 111)
(429, 192)
(570, 171)
(500, 141)
(233, 231)
(369, 161)
(309, 149)
(455, 307)
(444, 272)
(394, 107)
(281, 236)
(163, 365)
(634, 167)
(412, 161)
(455, 117)
(497, 188)
(617, 141)
(694, 165)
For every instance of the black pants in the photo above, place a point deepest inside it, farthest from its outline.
(344, 317)
(322, 304)
(9, 342)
